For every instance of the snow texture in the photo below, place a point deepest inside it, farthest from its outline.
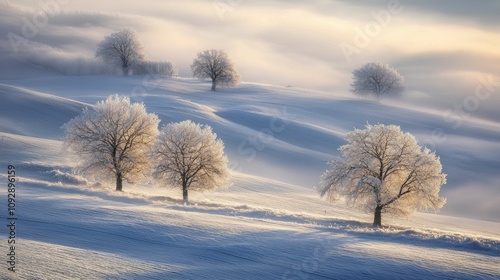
(270, 224)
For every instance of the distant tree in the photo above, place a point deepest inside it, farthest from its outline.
(111, 140)
(377, 79)
(383, 170)
(190, 156)
(215, 65)
(160, 68)
(122, 49)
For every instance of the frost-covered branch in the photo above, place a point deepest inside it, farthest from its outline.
(111, 140)
(190, 156)
(378, 79)
(383, 170)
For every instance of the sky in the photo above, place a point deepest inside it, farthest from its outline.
(448, 51)
(445, 50)
(440, 48)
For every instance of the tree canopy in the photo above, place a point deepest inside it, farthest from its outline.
(217, 66)
(111, 140)
(190, 156)
(377, 79)
(122, 49)
(383, 170)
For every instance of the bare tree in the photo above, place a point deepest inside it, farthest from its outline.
(122, 49)
(160, 68)
(377, 79)
(383, 170)
(190, 156)
(111, 140)
(215, 65)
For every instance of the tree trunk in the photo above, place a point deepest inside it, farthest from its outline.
(185, 198)
(377, 221)
(125, 65)
(119, 182)
(213, 85)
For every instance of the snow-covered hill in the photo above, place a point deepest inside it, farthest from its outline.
(270, 224)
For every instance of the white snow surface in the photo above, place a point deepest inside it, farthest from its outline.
(270, 223)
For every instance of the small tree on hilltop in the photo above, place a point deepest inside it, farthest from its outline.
(215, 65)
(111, 140)
(190, 156)
(383, 170)
(122, 49)
(377, 79)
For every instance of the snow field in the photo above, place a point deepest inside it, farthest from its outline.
(270, 224)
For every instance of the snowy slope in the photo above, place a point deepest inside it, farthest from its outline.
(85, 230)
(288, 134)
(270, 224)
(31, 113)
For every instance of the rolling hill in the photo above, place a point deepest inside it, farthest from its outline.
(270, 224)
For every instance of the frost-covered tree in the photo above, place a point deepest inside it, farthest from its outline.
(383, 170)
(189, 156)
(377, 79)
(122, 49)
(111, 141)
(160, 68)
(217, 66)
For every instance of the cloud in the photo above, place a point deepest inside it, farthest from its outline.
(474, 200)
(484, 15)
